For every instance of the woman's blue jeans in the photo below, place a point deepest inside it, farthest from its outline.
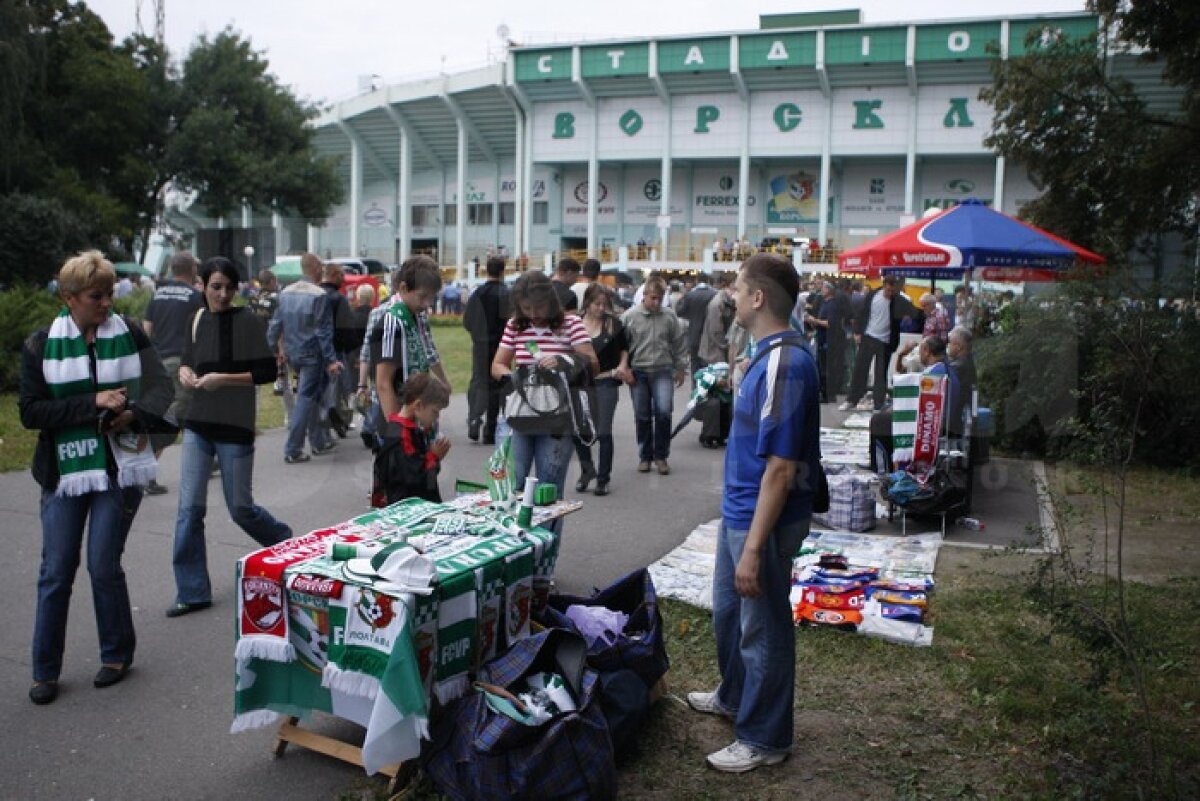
(108, 516)
(237, 468)
(756, 638)
(653, 394)
(608, 392)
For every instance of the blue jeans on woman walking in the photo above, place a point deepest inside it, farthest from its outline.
(108, 516)
(237, 467)
(653, 394)
(756, 638)
(608, 392)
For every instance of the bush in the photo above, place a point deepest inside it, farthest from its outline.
(23, 310)
(1067, 367)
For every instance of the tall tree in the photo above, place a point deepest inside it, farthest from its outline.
(242, 136)
(1115, 171)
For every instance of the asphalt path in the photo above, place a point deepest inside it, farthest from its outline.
(164, 731)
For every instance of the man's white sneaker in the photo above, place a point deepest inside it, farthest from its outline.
(739, 758)
(708, 704)
(845, 406)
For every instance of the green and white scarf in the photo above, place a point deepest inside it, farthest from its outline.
(417, 342)
(81, 451)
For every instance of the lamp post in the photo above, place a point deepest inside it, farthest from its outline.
(249, 251)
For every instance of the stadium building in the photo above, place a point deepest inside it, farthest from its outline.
(815, 126)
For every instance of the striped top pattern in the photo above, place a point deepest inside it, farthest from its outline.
(558, 342)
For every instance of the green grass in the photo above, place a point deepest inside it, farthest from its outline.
(1003, 705)
(17, 443)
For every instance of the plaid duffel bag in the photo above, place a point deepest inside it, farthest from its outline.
(477, 752)
(641, 646)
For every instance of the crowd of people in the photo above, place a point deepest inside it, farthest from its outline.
(108, 395)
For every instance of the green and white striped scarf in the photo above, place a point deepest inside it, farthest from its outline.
(416, 341)
(81, 451)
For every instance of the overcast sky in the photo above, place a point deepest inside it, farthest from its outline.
(320, 48)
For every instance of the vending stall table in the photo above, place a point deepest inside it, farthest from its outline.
(377, 618)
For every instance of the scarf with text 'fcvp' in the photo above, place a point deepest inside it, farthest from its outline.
(82, 451)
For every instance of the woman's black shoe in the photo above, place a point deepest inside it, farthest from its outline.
(108, 676)
(43, 692)
(585, 478)
(179, 610)
(601, 488)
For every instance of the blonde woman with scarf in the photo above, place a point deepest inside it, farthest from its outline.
(94, 387)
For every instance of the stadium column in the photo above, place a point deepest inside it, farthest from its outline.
(998, 191)
(496, 208)
(460, 187)
(528, 235)
(404, 199)
(593, 179)
(826, 141)
(826, 145)
(910, 155)
(664, 203)
(277, 230)
(356, 174)
(619, 194)
(744, 154)
(441, 245)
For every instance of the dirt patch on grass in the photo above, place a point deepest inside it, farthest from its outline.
(1162, 525)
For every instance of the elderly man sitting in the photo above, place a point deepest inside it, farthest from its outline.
(932, 361)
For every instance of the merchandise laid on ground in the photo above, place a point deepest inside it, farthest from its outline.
(871, 583)
(373, 618)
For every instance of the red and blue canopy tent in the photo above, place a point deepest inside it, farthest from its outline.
(967, 238)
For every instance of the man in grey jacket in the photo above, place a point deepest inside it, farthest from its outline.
(658, 357)
(304, 323)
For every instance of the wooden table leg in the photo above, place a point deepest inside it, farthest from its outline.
(290, 731)
(281, 741)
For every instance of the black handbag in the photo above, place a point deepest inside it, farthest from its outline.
(553, 401)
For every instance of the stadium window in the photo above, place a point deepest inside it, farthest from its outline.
(451, 214)
(479, 214)
(508, 213)
(541, 212)
(424, 216)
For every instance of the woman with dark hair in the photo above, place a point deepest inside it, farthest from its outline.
(225, 355)
(536, 336)
(93, 387)
(612, 353)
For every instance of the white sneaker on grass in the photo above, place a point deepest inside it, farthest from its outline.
(739, 758)
(708, 704)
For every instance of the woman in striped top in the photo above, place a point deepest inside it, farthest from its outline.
(538, 319)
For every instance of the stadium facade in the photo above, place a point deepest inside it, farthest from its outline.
(815, 126)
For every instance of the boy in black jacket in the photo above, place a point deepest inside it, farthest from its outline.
(408, 463)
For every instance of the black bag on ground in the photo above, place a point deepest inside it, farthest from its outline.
(716, 417)
(641, 646)
(476, 752)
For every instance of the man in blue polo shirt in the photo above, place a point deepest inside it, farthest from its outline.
(772, 454)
